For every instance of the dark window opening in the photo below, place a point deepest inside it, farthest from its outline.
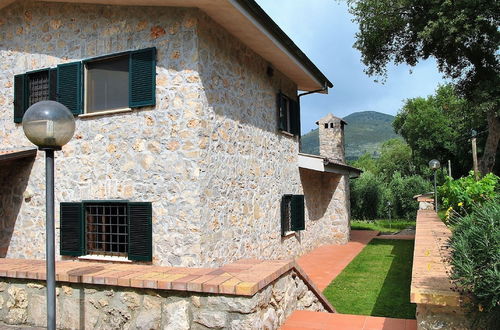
(292, 214)
(108, 84)
(331, 125)
(38, 87)
(286, 214)
(106, 229)
(326, 125)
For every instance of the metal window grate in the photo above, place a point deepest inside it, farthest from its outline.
(38, 86)
(107, 229)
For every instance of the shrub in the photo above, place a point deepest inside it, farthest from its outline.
(402, 189)
(463, 193)
(475, 260)
(366, 196)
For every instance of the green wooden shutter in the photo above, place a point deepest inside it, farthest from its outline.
(20, 97)
(294, 117)
(142, 78)
(72, 229)
(140, 231)
(298, 213)
(282, 115)
(69, 86)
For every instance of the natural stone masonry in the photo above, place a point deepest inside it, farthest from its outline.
(438, 307)
(151, 297)
(208, 156)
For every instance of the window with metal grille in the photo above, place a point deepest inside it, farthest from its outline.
(38, 87)
(292, 214)
(106, 229)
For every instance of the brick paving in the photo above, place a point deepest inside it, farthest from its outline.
(327, 321)
(324, 263)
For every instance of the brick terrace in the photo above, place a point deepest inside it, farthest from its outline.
(244, 277)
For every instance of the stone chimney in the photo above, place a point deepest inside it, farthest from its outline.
(331, 138)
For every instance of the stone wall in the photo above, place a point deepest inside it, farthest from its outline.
(14, 175)
(22, 302)
(249, 165)
(431, 317)
(208, 156)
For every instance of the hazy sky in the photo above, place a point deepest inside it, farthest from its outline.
(325, 33)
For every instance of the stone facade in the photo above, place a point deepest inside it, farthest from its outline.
(208, 156)
(22, 302)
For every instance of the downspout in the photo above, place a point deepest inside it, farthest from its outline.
(322, 90)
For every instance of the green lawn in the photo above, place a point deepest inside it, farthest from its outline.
(385, 226)
(376, 282)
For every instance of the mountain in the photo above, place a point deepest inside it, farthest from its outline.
(365, 132)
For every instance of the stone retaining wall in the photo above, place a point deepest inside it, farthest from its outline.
(438, 306)
(22, 302)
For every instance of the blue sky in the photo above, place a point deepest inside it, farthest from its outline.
(324, 31)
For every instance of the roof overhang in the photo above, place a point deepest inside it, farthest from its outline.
(247, 21)
(323, 164)
(13, 154)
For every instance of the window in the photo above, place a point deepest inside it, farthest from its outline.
(292, 213)
(107, 84)
(116, 81)
(112, 228)
(288, 115)
(106, 229)
(32, 87)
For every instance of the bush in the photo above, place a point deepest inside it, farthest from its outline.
(402, 189)
(462, 194)
(366, 196)
(475, 260)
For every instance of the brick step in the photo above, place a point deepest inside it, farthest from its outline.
(324, 321)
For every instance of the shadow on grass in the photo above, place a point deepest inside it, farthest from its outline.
(394, 295)
(376, 282)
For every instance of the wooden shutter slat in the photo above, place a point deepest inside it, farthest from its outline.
(282, 115)
(20, 101)
(142, 78)
(71, 229)
(295, 117)
(53, 84)
(298, 213)
(69, 86)
(140, 243)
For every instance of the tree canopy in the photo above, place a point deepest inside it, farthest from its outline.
(463, 36)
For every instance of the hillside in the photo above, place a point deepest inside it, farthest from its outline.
(365, 132)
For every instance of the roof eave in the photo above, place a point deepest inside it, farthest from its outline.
(266, 21)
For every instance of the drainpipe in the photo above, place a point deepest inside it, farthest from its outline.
(324, 90)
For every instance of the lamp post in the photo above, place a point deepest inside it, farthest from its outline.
(435, 165)
(49, 125)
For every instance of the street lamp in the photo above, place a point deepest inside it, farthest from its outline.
(49, 125)
(435, 165)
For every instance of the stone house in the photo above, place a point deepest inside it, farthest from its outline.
(186, 150)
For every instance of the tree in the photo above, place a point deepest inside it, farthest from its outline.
(396, 156)
(438, 127)
(462, 35)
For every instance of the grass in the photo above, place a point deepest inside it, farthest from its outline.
(385, 226)
(376, 282)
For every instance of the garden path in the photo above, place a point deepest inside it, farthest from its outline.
(323, 265)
